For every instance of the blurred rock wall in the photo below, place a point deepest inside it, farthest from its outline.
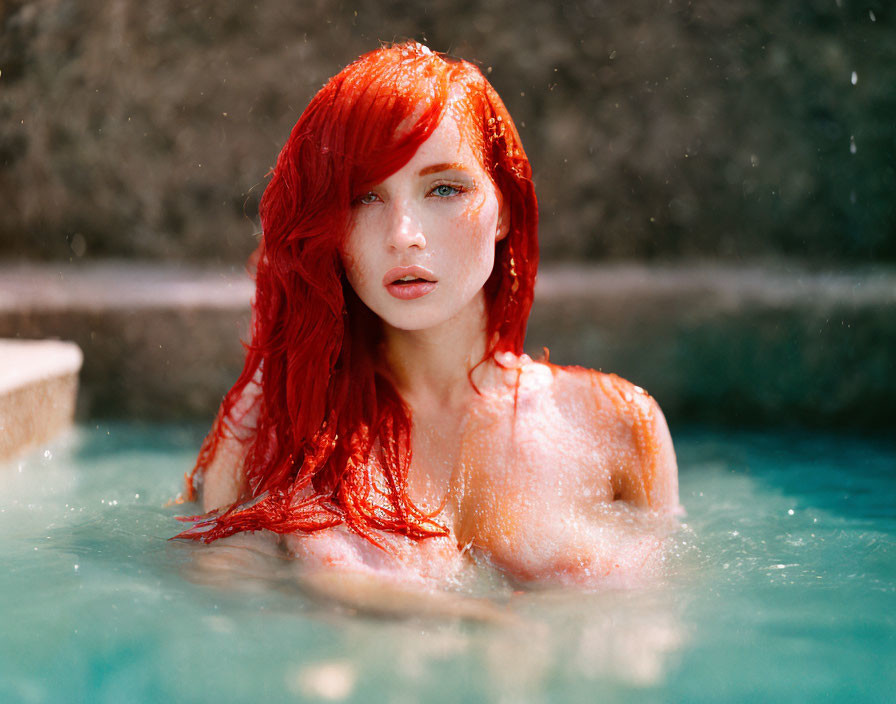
(656, 128)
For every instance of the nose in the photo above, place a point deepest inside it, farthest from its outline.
(405, 229)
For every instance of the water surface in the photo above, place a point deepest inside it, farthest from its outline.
(781, 587)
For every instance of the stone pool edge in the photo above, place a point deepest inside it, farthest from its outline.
(38, 388)
(753, 344)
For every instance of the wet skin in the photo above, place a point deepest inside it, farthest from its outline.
(551, 475)
(575, 487)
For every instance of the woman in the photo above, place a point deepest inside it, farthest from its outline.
(387, 421)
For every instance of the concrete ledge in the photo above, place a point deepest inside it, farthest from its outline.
(742, 345)
(38, 387)
(160, 342)
(752, 345)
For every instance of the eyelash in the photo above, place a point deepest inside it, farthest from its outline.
(457, 191)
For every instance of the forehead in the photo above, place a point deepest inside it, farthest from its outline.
(450, 142)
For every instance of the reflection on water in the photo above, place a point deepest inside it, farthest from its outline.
(785, 564)
(523, 640)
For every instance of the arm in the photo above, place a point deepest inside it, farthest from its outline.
(341, 567)
(224, 481)
(370, 592)
(659, 456)
(645, 471)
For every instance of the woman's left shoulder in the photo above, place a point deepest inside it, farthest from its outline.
(624, 417)
(584, 389)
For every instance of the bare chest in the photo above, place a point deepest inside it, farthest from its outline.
(531, 482)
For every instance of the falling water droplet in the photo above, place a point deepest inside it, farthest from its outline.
(852, 144)
(48, 455)
(872, 15)
(854, 78)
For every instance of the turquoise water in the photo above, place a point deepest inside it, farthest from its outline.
(781, 587)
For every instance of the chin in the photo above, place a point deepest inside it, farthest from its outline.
(430, 311)
(415, 321)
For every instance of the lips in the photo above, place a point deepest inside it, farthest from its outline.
(409, 282)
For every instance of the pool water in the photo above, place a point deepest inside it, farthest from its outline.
(781, 587)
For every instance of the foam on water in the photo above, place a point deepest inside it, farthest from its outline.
(780, 586)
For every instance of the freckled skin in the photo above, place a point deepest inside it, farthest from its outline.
(571, 488)
(551, 474)
(555, 491)
(445, 221)
(568, 477)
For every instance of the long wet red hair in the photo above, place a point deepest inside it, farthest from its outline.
(321, 402)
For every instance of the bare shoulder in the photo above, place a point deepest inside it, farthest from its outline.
(629, 424)
(224, 481)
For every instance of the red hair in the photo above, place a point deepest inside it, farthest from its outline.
(327, 406)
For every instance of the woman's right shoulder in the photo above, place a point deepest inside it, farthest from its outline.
(224, 481)
(242, 417)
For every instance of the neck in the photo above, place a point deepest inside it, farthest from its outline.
(431, 367)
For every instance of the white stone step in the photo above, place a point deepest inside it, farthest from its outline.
(38, 389)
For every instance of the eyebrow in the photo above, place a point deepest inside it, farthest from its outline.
(435, 168)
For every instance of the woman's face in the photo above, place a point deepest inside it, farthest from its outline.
(422, 243)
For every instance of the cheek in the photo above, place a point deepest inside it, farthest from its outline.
(480, 224)
(472, 243)
(352, 255)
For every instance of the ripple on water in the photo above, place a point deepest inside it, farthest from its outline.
(784, 564)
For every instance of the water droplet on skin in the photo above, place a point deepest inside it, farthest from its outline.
(48, 455)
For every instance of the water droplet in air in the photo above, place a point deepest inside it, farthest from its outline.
(872, 15)
(48, 455)
(852, 144)
(854, 78)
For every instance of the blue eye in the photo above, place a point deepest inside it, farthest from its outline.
(443, 190)
(367, 198)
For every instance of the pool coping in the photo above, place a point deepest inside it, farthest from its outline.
(38, 387)
(741, 344)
